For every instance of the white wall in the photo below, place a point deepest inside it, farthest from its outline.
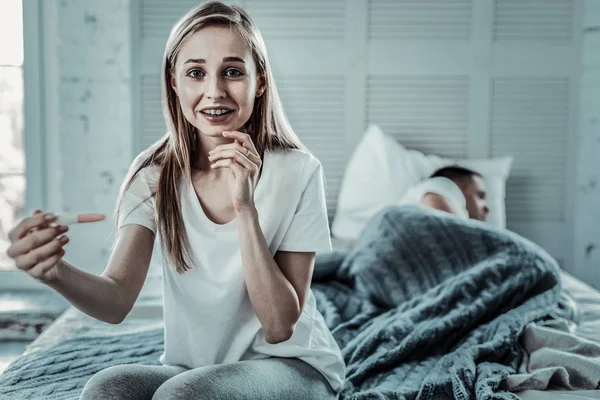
(587, 216)
(89, 144)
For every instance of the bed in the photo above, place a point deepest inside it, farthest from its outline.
(59, 362)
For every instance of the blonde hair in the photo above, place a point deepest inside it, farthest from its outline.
(267, 125)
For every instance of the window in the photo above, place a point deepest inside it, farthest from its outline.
(12, 155)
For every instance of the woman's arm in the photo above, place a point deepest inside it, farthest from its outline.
(277, 298)
(109, 297)
(37, 249)
(276, 289)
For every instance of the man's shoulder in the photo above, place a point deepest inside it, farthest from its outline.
(438, 182)
(440, 186)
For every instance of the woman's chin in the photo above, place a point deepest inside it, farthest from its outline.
(218, 129)
(212, 132)
(215, 131)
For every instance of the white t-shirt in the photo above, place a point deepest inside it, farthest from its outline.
(207, 311)
(444, 187)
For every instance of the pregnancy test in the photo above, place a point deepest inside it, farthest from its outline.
(73, 218)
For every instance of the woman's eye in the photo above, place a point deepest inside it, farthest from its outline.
(233, 73)
(196, 74)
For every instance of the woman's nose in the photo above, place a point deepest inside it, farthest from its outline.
(215, 89)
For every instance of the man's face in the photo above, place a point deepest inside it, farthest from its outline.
(474, 191)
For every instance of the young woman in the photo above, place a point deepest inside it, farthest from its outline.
(239, 208)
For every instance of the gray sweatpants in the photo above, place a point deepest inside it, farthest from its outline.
(271, 378)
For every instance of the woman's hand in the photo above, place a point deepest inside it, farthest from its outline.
(244, 162)
(37, 243)
(37, 247)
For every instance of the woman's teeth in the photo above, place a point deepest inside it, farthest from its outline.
(216, 112)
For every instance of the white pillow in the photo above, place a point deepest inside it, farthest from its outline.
(381, 171)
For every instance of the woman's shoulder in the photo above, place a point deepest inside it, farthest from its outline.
(299, 160)
(148, 174)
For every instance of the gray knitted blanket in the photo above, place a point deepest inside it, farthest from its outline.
(61, 371)
(431, 307)
(425, 307)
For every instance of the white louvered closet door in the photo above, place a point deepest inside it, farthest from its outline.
(534, 83)
(459, 78)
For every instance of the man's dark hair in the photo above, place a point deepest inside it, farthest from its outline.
(455, 173)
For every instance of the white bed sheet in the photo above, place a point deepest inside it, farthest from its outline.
(588, 301)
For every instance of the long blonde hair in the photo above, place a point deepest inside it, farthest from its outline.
(268, 124)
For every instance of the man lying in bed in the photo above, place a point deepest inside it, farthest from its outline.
(454, 189)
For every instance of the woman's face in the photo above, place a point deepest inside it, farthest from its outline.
(216, 80)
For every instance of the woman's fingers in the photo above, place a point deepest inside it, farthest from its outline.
(35, 240)
(233, 154)
(245, 167)
(35, 212)
(29, 223)
(235, 167)
(39, 271)
(31, 259)
(248, 153)
(242, 137)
